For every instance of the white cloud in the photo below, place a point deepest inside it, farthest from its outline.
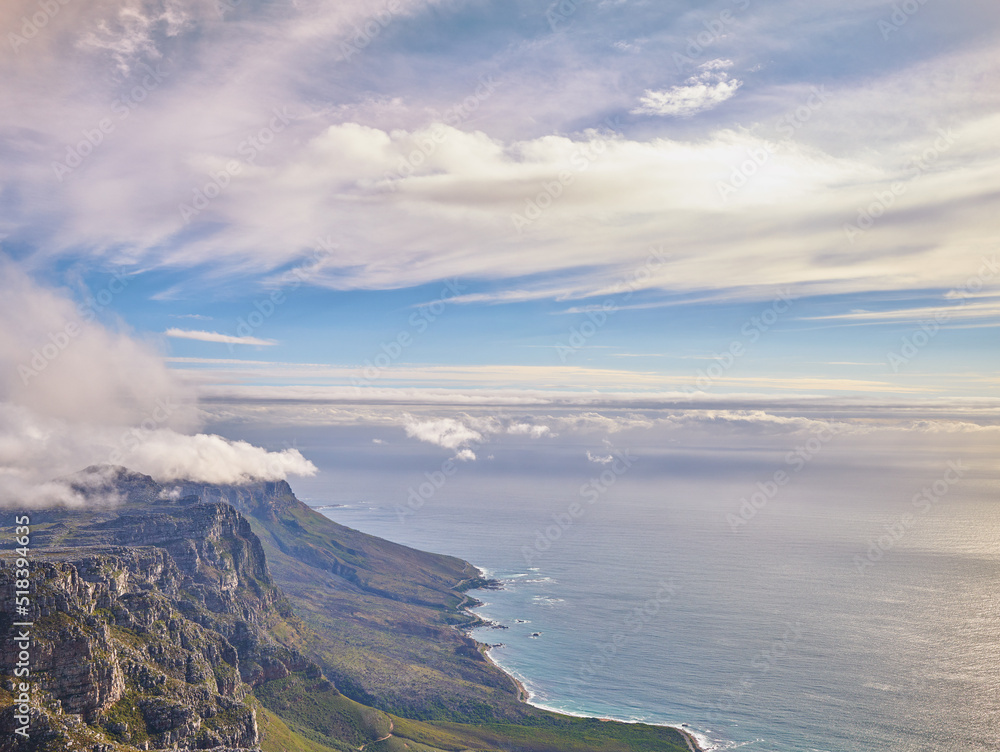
(202, 336)
(74, 393)
(447, 432)
(129, 34)
(951, 314)
(528, 429)
(703, 91)
(343, 167)
(56, 361)
(464, 432)
(344, 164)
(167, 455)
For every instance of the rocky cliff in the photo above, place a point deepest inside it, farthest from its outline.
(159, 623)
(151, 627)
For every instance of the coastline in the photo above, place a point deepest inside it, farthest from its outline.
(523, 694)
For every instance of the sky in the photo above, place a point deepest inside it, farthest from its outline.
(401, 213)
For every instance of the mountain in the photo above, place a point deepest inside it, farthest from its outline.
(235, 618)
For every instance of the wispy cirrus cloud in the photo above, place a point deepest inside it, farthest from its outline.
(702, 91)
(226, 339)
(328, 167)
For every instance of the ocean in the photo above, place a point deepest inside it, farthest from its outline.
(840, 611)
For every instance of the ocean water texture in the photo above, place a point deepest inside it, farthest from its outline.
(841, 615)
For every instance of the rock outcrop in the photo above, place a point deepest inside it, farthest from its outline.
(150, 627)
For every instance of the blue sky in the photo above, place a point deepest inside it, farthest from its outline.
(743, 201)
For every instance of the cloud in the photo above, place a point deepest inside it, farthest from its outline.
(57, 361)
(952, 314)
(36, 451)
(463, 433)
(130, 34)
(219, 379)
(75, 393)
(167, 455)
(598, 459)
(447, 432)
(701, 92)
(528, 429)
(216, 337)
(389, 179)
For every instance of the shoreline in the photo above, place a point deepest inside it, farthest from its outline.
(524, 695)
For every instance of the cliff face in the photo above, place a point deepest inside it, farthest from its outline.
(265, 500)
(150, 628)
(159, 624)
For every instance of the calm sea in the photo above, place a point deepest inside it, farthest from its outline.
(841, 616)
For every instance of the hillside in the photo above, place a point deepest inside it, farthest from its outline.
(236, 618)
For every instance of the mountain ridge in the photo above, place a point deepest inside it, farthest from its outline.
(238, 618)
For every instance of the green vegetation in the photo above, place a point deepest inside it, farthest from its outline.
(277, 737)
(313, 708)
(338, 640)
(123, 721)
(382, 618)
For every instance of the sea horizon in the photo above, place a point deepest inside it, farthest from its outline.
(664, 674)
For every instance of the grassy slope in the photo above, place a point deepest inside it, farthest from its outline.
(382, 616)
(313, 708)
(560, 734)
(384, 625)
(378, 619)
